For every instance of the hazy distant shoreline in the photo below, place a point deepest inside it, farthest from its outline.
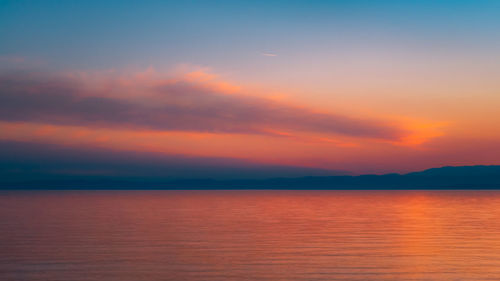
(464, 177)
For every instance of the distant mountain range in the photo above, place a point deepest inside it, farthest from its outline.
(462, 177)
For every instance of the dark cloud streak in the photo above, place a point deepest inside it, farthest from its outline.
(180, 106)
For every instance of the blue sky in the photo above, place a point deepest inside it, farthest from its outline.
(222, 34)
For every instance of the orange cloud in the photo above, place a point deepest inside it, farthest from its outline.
(422, 132)
(309, 150)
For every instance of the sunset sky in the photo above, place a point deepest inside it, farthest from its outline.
(248, 88)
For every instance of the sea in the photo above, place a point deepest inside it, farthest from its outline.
(249, 235)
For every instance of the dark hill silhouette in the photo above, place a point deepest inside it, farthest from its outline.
(462, 177)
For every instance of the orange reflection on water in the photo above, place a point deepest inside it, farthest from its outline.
(257, 235)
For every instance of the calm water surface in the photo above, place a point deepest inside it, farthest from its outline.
(249, 235)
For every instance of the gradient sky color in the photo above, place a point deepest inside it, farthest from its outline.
(354, 86)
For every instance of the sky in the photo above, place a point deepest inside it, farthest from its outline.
(248, 88)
